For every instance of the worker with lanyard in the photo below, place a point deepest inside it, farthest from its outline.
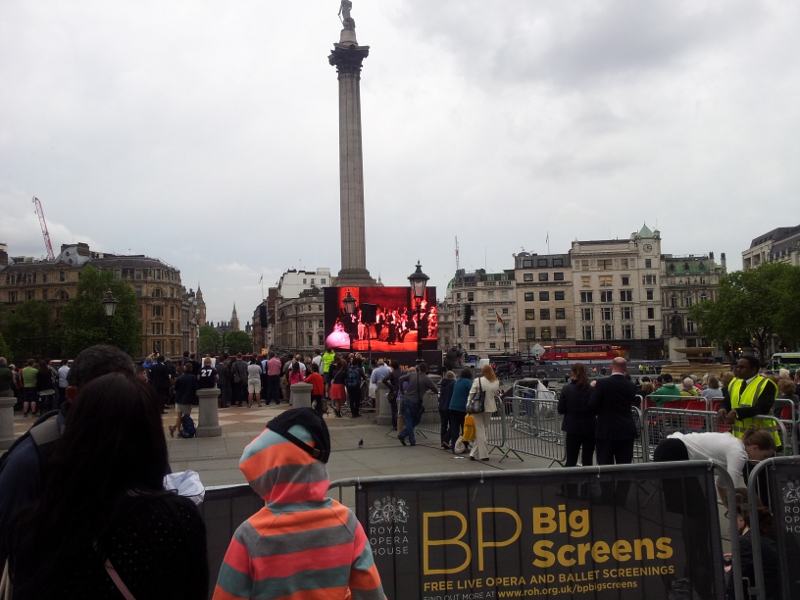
(747, 396)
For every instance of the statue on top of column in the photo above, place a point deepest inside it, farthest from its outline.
(344, 12)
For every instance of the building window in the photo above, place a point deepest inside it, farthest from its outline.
(321, 323)
(626, 296)
(688, 299)
(588, 332)
(561, 332)
(585, 264)
(527, 263)
(543, 276)
(544, 296)
(472, 345)
(607, 296)
(608, 331)
(138, 274)
(587, 297)
(490, 295)
(44, 294)
(648, 263)
(541, 262)
(558, 262)
(158, 311)
(492, 345)
(471, 332)
(649, 279)
(63, 276)
(504, 295)
(626, 280)
(651, 332)
(530, 333)
(607, 314)
(545, 333)
(558, 276)
(470, 296)
(138, 290)
(689, 325)
(627, 313)
(586, 281)
(12, 296)
(157, 293)
(587, 314)
(559, 295)
(605, 264)
(527, 277)
(703, 297)
(605, 280)
(649, 294)
(561, 313)
(673, 301)
(623, 264)
(172, 328)
(651, 313)
(323, 281)
(29, 295)
(627, 331)
(171, 312)
(530, 314)
(544, 314)
(529, 297)
(505, 311)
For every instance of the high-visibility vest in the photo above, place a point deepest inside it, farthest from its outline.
(751, 394)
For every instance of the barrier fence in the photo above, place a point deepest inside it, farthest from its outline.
(533, 533)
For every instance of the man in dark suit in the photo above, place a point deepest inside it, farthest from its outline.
(611, 401)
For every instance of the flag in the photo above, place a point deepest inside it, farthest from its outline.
(261, 280)
(496, 314)
(547, 239)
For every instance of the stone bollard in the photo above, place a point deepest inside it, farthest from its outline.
(301, 395)
(208, 420)
(382, 402)
(7, 402)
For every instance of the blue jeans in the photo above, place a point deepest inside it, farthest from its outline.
(409, 408)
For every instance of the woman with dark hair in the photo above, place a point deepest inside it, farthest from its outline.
(104, 526)
(445, 395)
(579, 421)
(338, 391)
(45, 387)
(355, 385)
(458, 406)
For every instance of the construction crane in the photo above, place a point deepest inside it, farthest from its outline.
(45, 233)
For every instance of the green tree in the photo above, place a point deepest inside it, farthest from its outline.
(238, 341)
(5, 351)
(208, 341)
(31, 332)
(748, 307)
(788, 319)
(85, 321)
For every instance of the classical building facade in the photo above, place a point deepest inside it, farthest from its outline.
(169, 315)
(545, 300)
(779, 245)
(492, 326)
(300, 322)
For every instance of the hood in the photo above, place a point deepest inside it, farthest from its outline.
(282, 473)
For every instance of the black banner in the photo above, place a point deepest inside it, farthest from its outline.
(784, 477)
(547, 533)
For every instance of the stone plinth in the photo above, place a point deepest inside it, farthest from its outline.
(301, 395)
(382, 404)
(208, 419)
(7, 402)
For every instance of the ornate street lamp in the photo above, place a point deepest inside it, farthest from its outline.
(349, 304)
(418, 280)
(110, 307)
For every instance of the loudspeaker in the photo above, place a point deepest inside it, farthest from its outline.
(368, 312)
(262, 315)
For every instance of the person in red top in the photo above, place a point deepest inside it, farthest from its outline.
(318, 389)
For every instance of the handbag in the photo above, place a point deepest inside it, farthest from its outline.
(469, 429)
(478, 400)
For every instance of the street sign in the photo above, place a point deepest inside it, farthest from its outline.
(538, 351)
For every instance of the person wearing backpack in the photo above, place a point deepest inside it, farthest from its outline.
(355, 386)
(25, 467)
(185, 389)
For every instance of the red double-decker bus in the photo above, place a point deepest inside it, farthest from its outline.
(579, 352)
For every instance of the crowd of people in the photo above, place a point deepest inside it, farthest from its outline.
(90, 516)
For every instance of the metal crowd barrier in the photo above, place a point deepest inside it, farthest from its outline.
(535, 429)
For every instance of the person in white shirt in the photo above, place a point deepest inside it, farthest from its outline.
(63, 370)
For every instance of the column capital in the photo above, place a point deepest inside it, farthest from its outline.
(347, 58)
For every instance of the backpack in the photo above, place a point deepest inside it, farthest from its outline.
(353, 377)
(188, 429)
(44, 433)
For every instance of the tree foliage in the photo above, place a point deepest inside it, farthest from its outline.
(238, 341)
(752, 306)
(209, 341)
(85, 322)
(31, 332)
(5, 351)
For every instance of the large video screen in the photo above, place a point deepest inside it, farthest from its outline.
(386, 319)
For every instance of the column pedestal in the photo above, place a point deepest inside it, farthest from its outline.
(208, 420)
(301, 395)
(382, 404)
(7, 402)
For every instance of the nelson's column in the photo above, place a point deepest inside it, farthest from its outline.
(347, 57)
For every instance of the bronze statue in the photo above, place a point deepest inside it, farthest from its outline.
(676, 322)
(344, 9)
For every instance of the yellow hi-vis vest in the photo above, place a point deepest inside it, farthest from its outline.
(751, 394)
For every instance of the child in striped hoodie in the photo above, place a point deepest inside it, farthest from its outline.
(301, 545)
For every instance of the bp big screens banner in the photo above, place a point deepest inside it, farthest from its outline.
(542, 534)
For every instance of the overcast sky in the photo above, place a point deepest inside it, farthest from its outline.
(205, 133)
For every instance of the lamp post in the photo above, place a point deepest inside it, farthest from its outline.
(109, 307)
(350, 308)
(418, 280)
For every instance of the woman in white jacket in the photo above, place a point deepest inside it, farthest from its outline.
(489, 384)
